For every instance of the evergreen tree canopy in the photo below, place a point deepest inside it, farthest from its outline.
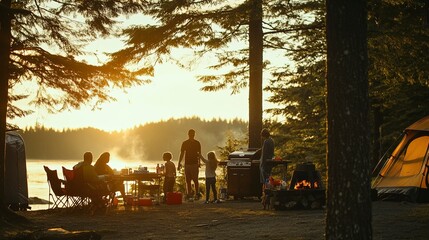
(40, 42)
(398, 75)
(231, 33)
(47, 45)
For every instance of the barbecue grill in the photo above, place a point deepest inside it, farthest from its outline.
(243, 174)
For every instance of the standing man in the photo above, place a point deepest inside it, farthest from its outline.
(191, 150)
(267, 153)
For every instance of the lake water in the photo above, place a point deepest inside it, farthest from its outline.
(37, 181)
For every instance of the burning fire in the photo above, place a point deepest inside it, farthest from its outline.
(304, 184)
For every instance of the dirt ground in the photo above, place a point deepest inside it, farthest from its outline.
(234, 219)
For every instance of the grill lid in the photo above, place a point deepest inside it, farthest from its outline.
(239, 162)
(250, 153)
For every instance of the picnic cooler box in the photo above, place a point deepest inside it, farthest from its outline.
(145, 202)
(134, 201)
(174, 198)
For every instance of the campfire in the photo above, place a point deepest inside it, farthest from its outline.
(304, 184)
(306, 177)
(306, 190)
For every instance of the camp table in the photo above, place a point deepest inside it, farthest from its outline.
(154, 180)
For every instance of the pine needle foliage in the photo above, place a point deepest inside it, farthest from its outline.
(47, 48)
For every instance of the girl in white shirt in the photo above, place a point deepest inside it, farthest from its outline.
(211, 164)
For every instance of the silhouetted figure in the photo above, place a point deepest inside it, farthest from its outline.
(103, 169)
(211, 165)
(87, 181)
(267, 153)
(169, 174)
(190, 150)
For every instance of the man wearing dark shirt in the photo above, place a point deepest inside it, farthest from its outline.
(190, 150)
(267, 153)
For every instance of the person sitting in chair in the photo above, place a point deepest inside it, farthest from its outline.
(87, 180)
(102, 168)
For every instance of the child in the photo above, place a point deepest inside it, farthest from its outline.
(211, 165)
(169, 173)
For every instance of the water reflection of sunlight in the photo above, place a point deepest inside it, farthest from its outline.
(119, 163)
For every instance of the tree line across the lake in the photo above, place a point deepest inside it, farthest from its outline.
(149, 141)
(145, 142)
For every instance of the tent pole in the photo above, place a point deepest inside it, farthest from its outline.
(427, 168)
(383, 158)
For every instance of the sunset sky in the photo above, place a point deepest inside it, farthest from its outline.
(173, 93)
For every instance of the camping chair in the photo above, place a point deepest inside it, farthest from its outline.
(81, 193)
(58, 195)
(77, 198)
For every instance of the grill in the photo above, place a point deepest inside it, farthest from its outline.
(243, 173)
(239, 162)
(251, 153)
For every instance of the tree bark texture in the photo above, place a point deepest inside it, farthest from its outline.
(348, 150)
(255, 76)
(377, 150)
(5, 38)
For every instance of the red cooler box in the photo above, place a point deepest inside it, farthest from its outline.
(174, 198)
(129, 200)
(145, 202)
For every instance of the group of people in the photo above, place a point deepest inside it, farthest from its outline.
(190, 152)
(86, 180)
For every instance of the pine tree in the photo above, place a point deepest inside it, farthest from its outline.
(348, 151)
(234, 32)
(40, 42)
(299, 87)
(397, 46)
(398, 37)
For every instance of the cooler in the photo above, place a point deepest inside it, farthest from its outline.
(174, 198)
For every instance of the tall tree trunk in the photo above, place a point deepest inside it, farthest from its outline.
(348, 151)
(5, 38)
(255, 78)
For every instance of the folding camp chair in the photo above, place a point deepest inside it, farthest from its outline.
(77, 198)
(58, 195)
(83, 194)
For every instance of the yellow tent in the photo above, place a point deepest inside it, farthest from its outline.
(404, 175)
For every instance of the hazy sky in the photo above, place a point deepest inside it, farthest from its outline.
(173, 93)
